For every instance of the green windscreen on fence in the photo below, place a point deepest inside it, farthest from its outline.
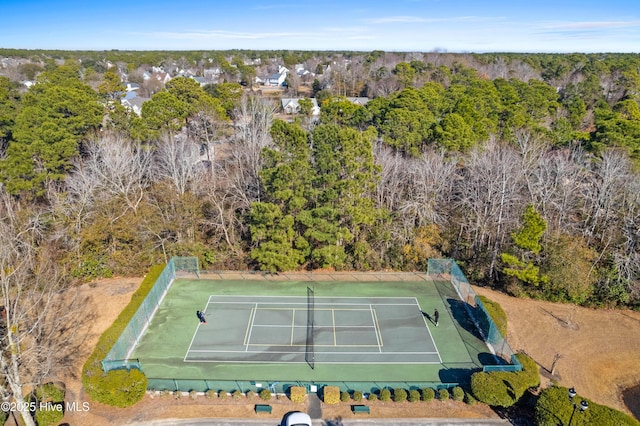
(118, 356)
(449, 269)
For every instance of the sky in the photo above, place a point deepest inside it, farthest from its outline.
(560, 26)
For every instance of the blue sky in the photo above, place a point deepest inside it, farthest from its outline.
(392, 25)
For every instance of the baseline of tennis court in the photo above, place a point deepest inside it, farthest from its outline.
(333, 330)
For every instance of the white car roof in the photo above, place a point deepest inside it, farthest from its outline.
(298, 419)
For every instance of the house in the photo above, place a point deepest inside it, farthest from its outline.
(361, 101)
(201, 80)
(129, 94)
(301, 71)
(134, 104)
(278, 78)
(292, 106)
(162, 77)
(131, 87)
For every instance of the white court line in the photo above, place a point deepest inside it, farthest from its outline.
(240, 302)
(239, 296)
(373, 319)
(219, 361)
(317, 352)
(315, 326)
(251, 329)
(191, 343)
(194, 335)
(303, 303)
(429, 331)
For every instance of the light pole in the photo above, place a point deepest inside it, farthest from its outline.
(583, 404)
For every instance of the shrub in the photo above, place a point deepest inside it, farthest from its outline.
(119, 388)
(297, 393)
(331, 394)
(458, 393)
(210, 394)
(399, 395)
(222, 394)
(553, 407)
(251, 394)
(491, 389)
(357, 396)
(373, 397)
(265, 394)
(50, 392)
(385, 395)
(414, 395)
(470, 399)
(530, 372)
(165, 393)
(193, 394)
(49, 400)
(428, 394)
(344, 396)
(503, 389)
(443, 394)
(177, 394)
(50, 413)
(496, 313)
(237, 394)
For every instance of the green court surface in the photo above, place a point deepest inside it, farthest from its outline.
(259, 330)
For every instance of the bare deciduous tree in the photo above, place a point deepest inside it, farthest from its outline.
(431, 181)
(603, 196)
(120, 168)
(178, 161)
(489, 195)
(38, 319)
(253, 124)
(555, 187)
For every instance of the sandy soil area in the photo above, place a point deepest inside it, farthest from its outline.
(599, 349)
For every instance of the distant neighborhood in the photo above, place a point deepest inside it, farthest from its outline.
(285, 85)
(158, 78)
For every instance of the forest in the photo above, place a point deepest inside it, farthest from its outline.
(524, 168)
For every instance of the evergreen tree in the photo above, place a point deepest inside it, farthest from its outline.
(57, 113)
(523, 265)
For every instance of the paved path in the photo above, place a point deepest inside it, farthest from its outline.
(314, 406)
(357, 422)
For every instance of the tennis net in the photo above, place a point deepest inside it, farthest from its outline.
(310, 351)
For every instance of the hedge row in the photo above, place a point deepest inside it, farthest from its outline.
(503, 389)
(554, 407)
(119, 388)
(296, 394)
(496, 313)
(333, 395)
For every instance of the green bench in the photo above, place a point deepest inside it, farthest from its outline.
(263, 408)
(360, 409)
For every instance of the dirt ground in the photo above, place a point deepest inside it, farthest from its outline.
(599, 356)
(599, 349)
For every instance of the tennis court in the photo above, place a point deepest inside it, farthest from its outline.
(313, 330)
(359, 331)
